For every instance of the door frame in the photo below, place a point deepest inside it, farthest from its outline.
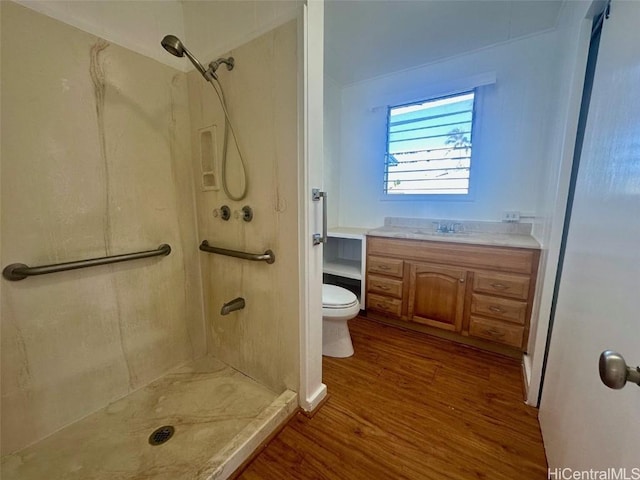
(533, 362)
(590, 68)
(311, 391)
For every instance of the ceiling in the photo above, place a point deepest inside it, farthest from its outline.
(369, 38)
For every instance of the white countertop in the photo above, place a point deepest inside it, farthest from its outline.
(475, 238)
(347, 232)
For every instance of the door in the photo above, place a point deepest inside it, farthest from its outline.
(586, 425)
(436, 296)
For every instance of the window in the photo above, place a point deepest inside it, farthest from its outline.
(429, 146)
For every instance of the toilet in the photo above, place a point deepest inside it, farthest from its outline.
(339, 305)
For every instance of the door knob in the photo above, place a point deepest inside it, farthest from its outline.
(614, 371)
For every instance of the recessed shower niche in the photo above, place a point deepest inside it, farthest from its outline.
(208, 160)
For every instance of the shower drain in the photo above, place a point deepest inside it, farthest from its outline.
(161, 435)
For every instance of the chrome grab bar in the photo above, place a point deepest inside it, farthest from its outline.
(267, 256)
(317, 195)
(20, 271)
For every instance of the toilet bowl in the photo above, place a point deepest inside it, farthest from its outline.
(339, 305)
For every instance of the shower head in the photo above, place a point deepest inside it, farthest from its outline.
(174, 46)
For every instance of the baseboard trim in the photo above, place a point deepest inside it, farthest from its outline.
(310, 404)
(313, 412)
(525, 384)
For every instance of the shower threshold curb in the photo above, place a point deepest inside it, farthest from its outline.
(242, 447)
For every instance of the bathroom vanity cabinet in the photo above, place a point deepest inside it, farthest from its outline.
(475, 294)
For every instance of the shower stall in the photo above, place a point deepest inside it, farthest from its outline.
(147, 365)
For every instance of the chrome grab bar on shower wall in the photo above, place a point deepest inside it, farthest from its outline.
(267, 256)
(20, 271)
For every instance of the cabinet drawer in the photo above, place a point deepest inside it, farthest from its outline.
(501, 259)
(388, 305)
(500, 308)
(499, 284)
(384, 285)
(496, 331)
(386, 266)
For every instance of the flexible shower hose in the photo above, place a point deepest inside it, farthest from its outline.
(229, 126)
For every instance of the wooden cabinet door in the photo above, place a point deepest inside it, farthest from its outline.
(436, 295)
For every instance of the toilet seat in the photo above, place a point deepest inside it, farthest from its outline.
(334, 297)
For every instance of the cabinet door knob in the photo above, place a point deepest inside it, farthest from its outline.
(462, 280)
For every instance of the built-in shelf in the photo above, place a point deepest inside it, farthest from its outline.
(343, 268)
(344, 256)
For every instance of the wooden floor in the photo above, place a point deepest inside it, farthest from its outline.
(409, 406)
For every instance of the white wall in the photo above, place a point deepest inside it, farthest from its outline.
(511, 133)
(332, 141)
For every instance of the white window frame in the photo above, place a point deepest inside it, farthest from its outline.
(456, 197)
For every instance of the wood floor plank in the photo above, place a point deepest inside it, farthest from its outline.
(410, 406)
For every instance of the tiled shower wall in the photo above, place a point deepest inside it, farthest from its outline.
(96, 160)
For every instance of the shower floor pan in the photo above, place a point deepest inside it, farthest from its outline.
(219, 417)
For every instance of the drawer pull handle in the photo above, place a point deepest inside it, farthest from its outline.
(499, 286)
(382, 287)
(496, 309)
(383, 267)
(495, 333)
(383, 306)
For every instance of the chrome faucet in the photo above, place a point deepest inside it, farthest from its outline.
(447, 228)
(232, 306)
(442, 227)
